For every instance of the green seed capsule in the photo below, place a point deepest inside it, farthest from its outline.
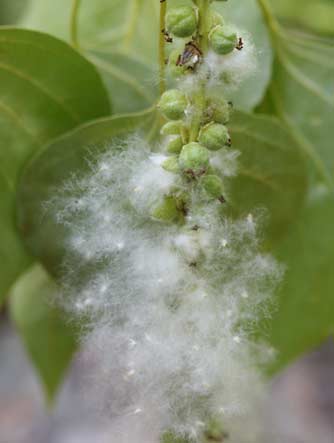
(223, 39)
(171, 164)
(175, 69)
(215, 19)
(167, 211)
(218, 110)
(214, 136)
(194, 159)
(171, 128)
(213, 185)
(174, 144)
(182, 21)
(172, 104)
(182, 199)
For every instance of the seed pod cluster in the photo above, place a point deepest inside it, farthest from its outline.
(195, 130)
(182, 22)
(189, 151)
(189, 158)
(188, 154)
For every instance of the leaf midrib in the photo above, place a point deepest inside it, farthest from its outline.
(301, 140)
(16, 119)
(123, 76)
(266, 180)
(304, 52)
(257, 137)
(18, 122)
(20, 74)
(297, 75)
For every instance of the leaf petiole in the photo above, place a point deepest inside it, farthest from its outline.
(74, 23)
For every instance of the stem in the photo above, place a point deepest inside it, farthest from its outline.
(203, 42)
(131, 25)
(162, 62)
(269, 16)
(74, 23)
(203, 32)
(199, 107)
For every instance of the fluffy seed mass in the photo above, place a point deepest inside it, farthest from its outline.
(223, 74)
(231, 70)
(171, 287)
(170, 307)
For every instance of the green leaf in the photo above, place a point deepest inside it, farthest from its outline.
(130, 82)
(67, 155)
(317, 16)
(47, 89)
(128, 26)
(271, 174)
(301, 93)
(12, 255)
(125, 62)
(49, 340)
(305, 314)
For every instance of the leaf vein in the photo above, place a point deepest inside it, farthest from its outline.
(74, 116)
(302, 79)
(123, 76)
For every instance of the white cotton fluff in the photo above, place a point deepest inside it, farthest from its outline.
(232, 69)
(225, 161)
(170, 307)
(227, 71)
